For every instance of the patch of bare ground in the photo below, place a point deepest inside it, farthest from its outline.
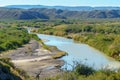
(35, 60)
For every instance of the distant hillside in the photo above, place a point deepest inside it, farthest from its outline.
(43, 13)
(20, 14)
(76, 8)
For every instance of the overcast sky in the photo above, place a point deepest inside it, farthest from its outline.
(62, 2)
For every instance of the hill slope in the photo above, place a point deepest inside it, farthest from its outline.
(75, 8)
(43, 13)
(7, 71)
(20, 14)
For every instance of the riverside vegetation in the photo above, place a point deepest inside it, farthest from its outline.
(12, 38)
(101, 34)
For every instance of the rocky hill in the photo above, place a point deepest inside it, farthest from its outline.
(44, 13)
(71, 8)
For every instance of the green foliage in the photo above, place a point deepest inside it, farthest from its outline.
(34, 36)
(12, 38)
(81, 69)
(83, 72)
(45, 46)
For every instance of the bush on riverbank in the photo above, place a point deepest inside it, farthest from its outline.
(12, 38)
(34, 36)
(83, 72)
(109, 43)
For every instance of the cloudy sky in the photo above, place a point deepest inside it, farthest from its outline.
(62, 2)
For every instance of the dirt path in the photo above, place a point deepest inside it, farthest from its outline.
(31, 60)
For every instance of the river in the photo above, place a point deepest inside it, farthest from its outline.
(81, 53)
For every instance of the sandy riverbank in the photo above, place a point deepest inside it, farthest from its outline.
(34, 59)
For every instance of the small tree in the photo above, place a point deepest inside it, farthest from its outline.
(81, 69)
